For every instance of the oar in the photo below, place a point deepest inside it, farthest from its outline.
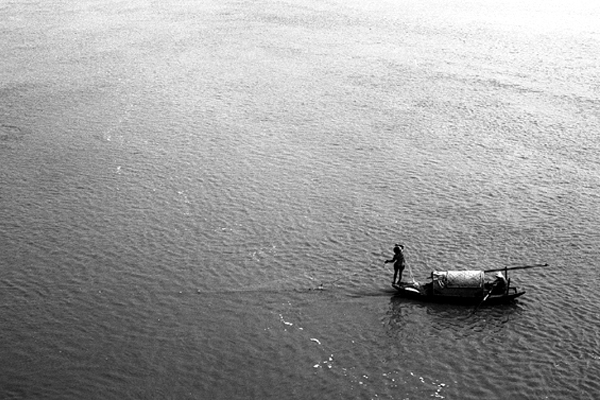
(513, 268)
(489, 293)
(484, 298)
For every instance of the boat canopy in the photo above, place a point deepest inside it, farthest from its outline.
(457, 283)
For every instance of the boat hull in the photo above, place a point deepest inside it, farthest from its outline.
(425, 293)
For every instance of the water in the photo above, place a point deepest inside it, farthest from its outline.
(197, 198)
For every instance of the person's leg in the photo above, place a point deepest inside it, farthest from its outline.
(395, 273)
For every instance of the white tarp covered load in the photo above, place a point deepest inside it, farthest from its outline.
(458, 283)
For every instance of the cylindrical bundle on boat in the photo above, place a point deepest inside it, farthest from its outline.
(458, 283)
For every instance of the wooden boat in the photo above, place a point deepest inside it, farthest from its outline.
(466, 287)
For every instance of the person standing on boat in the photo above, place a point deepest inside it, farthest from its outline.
(398, 261)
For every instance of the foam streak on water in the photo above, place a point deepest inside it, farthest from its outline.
(196, 198)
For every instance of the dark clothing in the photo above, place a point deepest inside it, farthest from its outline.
(499, 286)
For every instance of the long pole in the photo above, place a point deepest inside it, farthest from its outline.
(514, 268)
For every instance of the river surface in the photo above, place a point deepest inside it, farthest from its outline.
(197, 197)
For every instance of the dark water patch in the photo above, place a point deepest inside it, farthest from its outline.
(12, 133)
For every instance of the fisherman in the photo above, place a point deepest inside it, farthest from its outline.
(398, 261)
(500, 284)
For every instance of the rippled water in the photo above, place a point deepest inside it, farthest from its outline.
(196, 198)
